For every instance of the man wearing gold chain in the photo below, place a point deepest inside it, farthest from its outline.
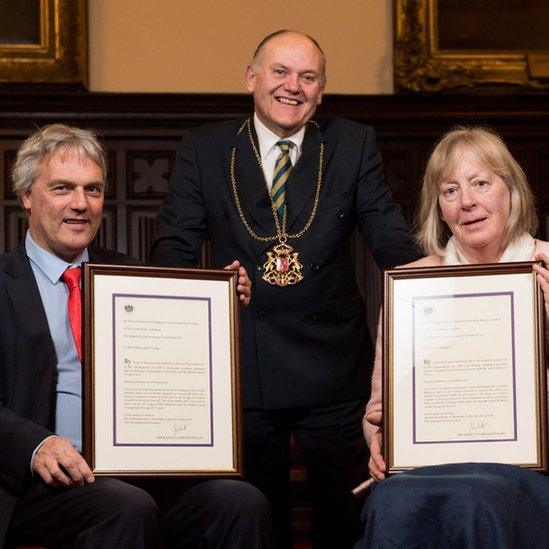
(283, 194)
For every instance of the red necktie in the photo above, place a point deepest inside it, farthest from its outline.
(71, 277)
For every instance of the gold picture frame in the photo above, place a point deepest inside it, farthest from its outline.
(426, 60)
(50, 47)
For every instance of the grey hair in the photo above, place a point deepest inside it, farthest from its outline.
(269, 37)
(48, 141)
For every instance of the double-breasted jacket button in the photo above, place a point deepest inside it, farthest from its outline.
(315, 267)
(261, 315)
(340, 214)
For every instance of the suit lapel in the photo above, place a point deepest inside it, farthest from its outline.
(301, 187)
(304, 177)
(96, 254)
(250, 182)
(27, 303)
(100, 255)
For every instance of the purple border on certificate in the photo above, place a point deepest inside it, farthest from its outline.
(140, 296)
(513, 368)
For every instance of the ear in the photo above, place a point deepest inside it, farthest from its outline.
(319, 100)
(250, 79)
(26, 200)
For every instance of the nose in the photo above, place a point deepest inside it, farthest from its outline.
(291, 83)
(468, 198)
(79, 200)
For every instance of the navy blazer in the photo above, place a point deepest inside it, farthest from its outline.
(304, 345)
(28, 373)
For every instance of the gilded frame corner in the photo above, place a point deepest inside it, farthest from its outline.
(61, 56)
(420, 66)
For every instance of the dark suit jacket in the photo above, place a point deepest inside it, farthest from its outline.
(304, 345)
(28, 372)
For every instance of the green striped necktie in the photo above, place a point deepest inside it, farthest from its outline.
(282, 170)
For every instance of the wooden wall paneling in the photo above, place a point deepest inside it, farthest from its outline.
(369, 279)
(9, 159)
(142, 226)
(542, 179)
(398, 166)
(107, 235)
(142, 132)
(148, 173)
(146, 184)
(110, 188)
(138, 181)
(12, 217)
(15, 226)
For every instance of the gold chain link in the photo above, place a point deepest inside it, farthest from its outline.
(281, 234)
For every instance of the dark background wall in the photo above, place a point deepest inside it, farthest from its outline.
(142, 132)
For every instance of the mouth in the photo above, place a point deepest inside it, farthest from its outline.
(473, 222)
(76, 222)
(288, 101)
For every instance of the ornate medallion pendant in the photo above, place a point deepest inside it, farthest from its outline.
(282, 267)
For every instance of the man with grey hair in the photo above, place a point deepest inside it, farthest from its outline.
(48, 493)
(284, 194)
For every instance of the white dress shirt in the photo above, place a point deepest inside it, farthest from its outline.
(268, 151)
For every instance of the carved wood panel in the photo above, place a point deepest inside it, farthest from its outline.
(148, 173)
(142, 132)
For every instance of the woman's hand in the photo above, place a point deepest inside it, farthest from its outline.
(543, 280)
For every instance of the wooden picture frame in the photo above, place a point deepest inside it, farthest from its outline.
(161, 372)
(464, 375)
(44, 41)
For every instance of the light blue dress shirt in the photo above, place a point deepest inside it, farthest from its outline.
(47, 269)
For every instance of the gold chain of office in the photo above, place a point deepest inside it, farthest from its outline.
(282, 267)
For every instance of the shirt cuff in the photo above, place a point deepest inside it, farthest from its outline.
(36, 450)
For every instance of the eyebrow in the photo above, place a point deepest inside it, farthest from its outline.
(277, 65)
(69, 182)
(447, 180)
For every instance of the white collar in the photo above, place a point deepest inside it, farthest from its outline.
(521, 248)
(267, 139)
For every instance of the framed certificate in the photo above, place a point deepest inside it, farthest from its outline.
(161, 372)
(464, 374)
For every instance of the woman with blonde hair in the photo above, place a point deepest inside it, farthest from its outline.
(476, 207)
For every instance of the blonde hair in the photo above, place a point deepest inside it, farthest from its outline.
(48, 141)
(489, 149)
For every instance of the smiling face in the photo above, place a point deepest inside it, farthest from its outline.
(287, 82)
(65, 204)
(475, 203)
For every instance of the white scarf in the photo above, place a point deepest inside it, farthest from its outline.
(520, 249)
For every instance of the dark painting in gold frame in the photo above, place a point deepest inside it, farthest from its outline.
(449, 44)
(43, 41)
